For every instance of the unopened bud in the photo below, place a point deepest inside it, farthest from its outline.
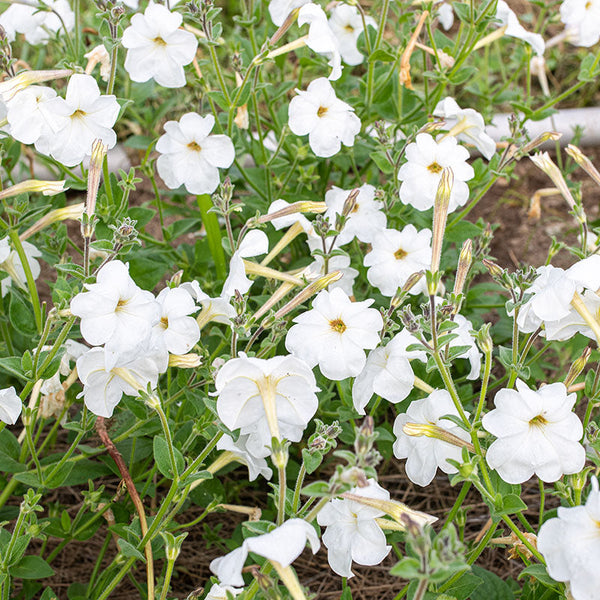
(185, 361)
(10, 87)
(484, 339)
(440, 215)
(494, 270)
(173, 544)
(280, 453)
(578, 366)
(292, 209)
(436, 432)
(584, 162)
(464, 264)
(34, 186)
(74, 211)
(548, 136)
(350, 202)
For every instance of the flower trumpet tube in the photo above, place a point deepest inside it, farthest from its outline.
(584, 162)
(252, 268)
(292, 233)
(54, 216)
(12, 86)
(290, 580)
(185, 361)
(292, 209)
(397, 510)
(433, 431)
(34, 186)
(578, 304)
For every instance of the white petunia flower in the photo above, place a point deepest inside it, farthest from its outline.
(421, 174)
(347, 25)
(514, 29)
(218, 309)
(365, 221)
(281, 546)
(445, 14)
(572, 323)
(352, 532)
(582, 18)
(190, 156)
(38, 26)
(280, 9)
(466, 125)
(82, 117)
(426, 454)
(115, 311)
(257, 465)
(10, 405)
(328, 121)
(28, 115)
(570, 544)
(472, 354)
(266, 399)
(254, 243)
(176, 331)
(10, 262)
(335, 333)
(339, 263)
(289, 220)
(157, 48)
(387, 372)
(321, 38)
(220, 592)
(395, 256)
(537, 431)
(104, 385)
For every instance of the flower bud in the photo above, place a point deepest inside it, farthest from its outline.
(436, 432)
(58, 214)
(464, 264)
(494, 270)
(548, 136)
(34, 186)
(10, 87)
(584, 162)
(292, 209)
(440, 215)
(173, 544)
(578, 366)
(185, 361)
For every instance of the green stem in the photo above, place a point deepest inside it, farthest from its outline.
(450, 387)
(213, 234)
(299, 484)
(33, 293)
(165, 427)
(380, 29)
(167, 581)
(464, 490)
(487, 369)
(282, 493)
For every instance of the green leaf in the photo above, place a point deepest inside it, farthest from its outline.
(492, 587)
(21, 315)
(383, 56)
(312, 460)
(382, 162)
(588, 71)
(318, 488)
(408, 568)
(128, 549)
(508, 504)
(465, 586)
(163, 460)
(31, 567)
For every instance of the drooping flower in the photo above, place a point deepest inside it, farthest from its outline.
(366, 219)
(157, 48)
(421, 174)
(328, 121)
(387, 372)
(280, 9)
(266, 399)
(10, 405)
(352, 532)
(514, 29)
(466, 125)
(239, 452)
(582, 18)
(38, 26)
(115, 311)
(426, 454)
(191, 157)
(395, 256)
(537, 431)
(282, 546)
(176, 331)
(104, 384)
(335, 334)
(321, 38)
(570, 544)
(347, 25)
(82, 117)
(255, 243)
(10, 262)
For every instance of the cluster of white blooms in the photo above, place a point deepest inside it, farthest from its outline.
(132, 333)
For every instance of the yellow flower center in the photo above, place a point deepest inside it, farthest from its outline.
(434, 168)
(164, 322)
(349, 28)
(355, 208)
(120, 305)
(159, 41)
(400, 254)
(78, 114)
(538, 421)
(338, 325)
(588, 5)
(194, 147)
(322, 111)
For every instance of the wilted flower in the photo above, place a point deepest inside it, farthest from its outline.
(537, 433)
(466, 125)
(10, 405)
(265, 399)
(335, 333)
(282, 546)
(347, 25)
(104, 384)
(190, 156)
(426, 454)
(157, 48)
(352, 532)
(421, 174)
(387, 372)
(328, 121)
(570, 545)
(321, 38)
(582, 17)
(365, 221)
(115, 311)
(395, 256)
